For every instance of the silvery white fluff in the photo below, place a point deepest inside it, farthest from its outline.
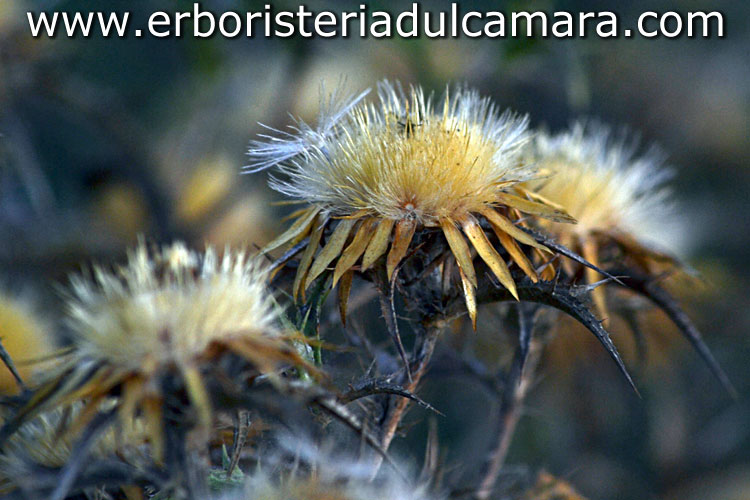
(117, 317)
(601, 179)
(287, 145)
(335, 477)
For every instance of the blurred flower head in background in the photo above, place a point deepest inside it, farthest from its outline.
(167, 312)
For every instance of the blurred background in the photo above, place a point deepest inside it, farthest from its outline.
(103, 140)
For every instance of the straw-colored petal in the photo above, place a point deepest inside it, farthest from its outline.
(294, 215)
(517, 254)
(598, 294)
(307, 256)
(378, 244)
(460, 249)
(500, 223)
(133, 389)
(331, 250)
(534, 196)
(402, 237)
(152, 414)
(470, 298)
(355, 249)
(535, 208)
(297, 231)
(198, 395)
(569, 241)
(488, 254)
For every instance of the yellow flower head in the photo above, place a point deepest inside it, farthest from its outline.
(608, 188)
(381, 171)
(172, 312)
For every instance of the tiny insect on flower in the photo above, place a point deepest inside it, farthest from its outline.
(171, 312)
(375, 174)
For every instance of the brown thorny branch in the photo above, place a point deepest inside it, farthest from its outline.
(428, 329)
(567, 298)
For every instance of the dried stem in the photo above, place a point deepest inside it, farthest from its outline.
(395, 405)
(517, 383)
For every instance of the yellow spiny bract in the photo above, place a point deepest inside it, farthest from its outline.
(172, 311)
(380, 172)
(619, 199)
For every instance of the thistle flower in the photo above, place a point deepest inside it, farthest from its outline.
(621, 200)
(627, 220)
(173, 313)
(374, 174)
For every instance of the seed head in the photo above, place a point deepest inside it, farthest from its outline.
(606, 186)
(169, 308)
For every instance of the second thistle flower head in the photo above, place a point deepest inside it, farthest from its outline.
(382, 171)
(606, 186)
(167, 315)
(169, 307)
(621, 200)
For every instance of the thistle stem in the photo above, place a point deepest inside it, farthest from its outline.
(396, 406)
(517, 383)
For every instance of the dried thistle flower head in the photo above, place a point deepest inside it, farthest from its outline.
(606, 186)
(627, 219)
(379, 172)
(620, 199)
(169, 308)
(172, 313)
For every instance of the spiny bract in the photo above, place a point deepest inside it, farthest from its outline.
(382, 171)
